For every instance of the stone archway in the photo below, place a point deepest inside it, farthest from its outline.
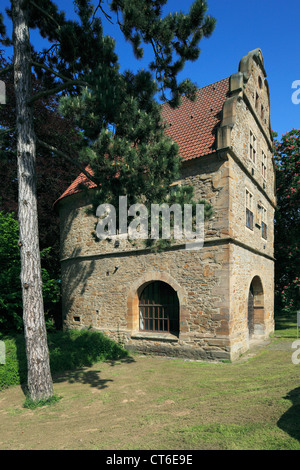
(133, 299)
(256, 320)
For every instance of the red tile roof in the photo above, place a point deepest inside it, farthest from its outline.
(81, 179)
(192, 126)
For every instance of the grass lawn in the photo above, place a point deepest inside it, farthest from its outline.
(156, 403)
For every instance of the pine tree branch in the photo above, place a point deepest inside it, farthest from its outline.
(107, 16)
(45, 53)
(6, 131)
(54, 91)
(45, 13)
(57, 74)
(66, 157)
(6, 69)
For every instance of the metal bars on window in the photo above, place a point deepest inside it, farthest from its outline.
(159, 308)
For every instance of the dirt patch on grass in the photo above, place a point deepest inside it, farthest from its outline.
(161, 403)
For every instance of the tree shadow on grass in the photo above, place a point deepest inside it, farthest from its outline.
(290, 420)
(90, 377)
(86, 377)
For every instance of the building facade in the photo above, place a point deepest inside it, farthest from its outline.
(201, 304)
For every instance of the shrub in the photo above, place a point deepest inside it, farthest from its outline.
(68, 350)
(14, 371)
(10, 285)
(76, 348)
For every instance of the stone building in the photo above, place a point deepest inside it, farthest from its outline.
(202, 304)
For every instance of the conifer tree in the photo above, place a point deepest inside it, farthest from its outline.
(116, 115)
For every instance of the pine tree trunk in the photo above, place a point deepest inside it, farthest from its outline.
(39, 376)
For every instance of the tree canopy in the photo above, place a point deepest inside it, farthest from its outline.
(287, 221)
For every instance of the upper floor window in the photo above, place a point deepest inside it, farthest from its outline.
(264, 226)
(264, 165)
(249, 210)
(253, 145)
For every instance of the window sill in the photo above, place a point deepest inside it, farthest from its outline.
(154, 336)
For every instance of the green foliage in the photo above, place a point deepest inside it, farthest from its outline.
(287, 221)
(32, 404)
(10, 285)
(68, 350)
(174, 38)
(14, 371)
(51, 287)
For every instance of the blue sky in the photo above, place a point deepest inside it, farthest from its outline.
(271, 25)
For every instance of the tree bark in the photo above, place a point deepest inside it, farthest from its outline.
(39, 376)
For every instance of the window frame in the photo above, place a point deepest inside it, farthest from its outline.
(249, 201)
(264, 225)
(264, 165)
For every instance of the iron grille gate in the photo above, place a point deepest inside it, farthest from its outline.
(159, 308)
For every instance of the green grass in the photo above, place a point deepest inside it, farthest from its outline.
(68, 350)
(146, 402)
(286, 326)
(258, 436)
(153, 403)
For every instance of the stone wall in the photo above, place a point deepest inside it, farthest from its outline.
(99, 291)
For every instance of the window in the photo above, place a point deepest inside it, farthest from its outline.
(264, 165)
(159, 308)
(264, 223)
(259, 215)
(249, 210)
(253, 143)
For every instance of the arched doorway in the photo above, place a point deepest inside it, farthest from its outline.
(158, 308)
(256, 308)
